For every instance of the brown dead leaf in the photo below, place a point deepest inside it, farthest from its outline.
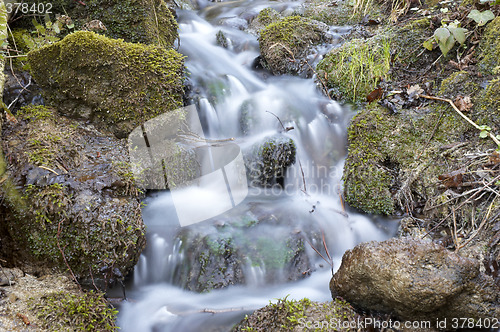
(24, 319)
(10, 117)
(464, 104)
(452, 179)
(374, 95)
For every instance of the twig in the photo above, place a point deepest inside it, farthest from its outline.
(480, 225)
(49, 169)
(303, 179)
(462, 204)
(329, 260)
(92, 277)
(497, 142)
(63, 256)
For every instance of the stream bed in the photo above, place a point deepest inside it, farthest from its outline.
(237, 101)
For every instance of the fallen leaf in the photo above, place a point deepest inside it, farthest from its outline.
(24, 318)
(414, 90)
(10, 117)
(452, 179)
(374, 95)
(464, 104)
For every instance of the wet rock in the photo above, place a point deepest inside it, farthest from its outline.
(114, 84)
(415, 280)
(8, 276)
(267, 161)
(72, 195)
(286, 44)
(250, 247)
(147, 22)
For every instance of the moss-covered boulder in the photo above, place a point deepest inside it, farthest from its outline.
(73, 197)
(300, 315)
(286, 43)
(114, 84)
(267, 161)
(353, 70)
(137, 21)
(386, 165)
(489, 47)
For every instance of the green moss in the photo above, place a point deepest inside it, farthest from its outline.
(488, 106)
(354, 69)
(137, 21)
(76, 75)
(458, 83)
(489, 47)
(286, 40)
(267, 16)
(75, 312)
(386, 150)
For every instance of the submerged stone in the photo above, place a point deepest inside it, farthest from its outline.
(116, 85)
(267, 161)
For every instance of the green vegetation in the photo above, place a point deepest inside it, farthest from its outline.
(283, 42)
(136, 21)
(489, 46)
(354, 69)
(75, 312)
(445, 37)
(75, 75)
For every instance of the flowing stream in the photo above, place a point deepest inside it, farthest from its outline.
(223, 82)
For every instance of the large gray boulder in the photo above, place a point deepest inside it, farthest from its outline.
(415, 279)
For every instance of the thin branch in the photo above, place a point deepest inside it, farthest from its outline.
(497, 142)
(462, 204)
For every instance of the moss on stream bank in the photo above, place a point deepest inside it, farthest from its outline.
(117, 85)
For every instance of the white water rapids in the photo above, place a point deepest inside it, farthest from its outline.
(319, 133)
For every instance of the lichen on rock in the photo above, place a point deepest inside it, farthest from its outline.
(115, 84)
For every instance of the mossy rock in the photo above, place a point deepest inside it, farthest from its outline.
(339, 13)
(136, 21)
(488, 106)
(247, 245)
(459, 83)
(73, 197)
(300, 315)
(489, 55)
(285, 44)
(353, 70)
(115, 84)
(267, 161)
(395, 159)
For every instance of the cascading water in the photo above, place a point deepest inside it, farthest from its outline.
(223, 84)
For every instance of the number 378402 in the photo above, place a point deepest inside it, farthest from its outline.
(25, 8)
